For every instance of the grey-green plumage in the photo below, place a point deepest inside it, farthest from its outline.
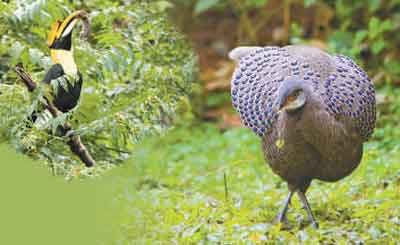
(322, 138)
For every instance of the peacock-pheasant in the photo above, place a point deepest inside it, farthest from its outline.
(312, 110)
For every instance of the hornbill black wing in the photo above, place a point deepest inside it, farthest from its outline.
(65, 97)
(54, 72)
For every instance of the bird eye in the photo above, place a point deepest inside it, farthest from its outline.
(292, 97)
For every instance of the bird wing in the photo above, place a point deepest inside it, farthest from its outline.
(348, 92)
(54, 72)
(255, 83)
(261, 71)
(62, 89)
(342, 86)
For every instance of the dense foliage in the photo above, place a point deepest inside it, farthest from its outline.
(369, 32)
(137, 71)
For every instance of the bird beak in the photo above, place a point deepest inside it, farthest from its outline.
(62, 30)
(69, 23)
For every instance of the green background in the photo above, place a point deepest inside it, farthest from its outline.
(38, 208)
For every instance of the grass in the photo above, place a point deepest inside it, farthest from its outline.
(173, 190)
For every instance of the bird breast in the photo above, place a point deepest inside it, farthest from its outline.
(312, 144)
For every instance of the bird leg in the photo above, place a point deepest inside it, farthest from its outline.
(281, 218)
(306, 205)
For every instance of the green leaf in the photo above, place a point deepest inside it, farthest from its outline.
(378, 46)
(164, 5)
(308, 3)
(373, 27)
(374, 5)
(258, 3)
(204, 5)
(387, 25)
(360, 36)
(393, 67)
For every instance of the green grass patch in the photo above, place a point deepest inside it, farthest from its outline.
(173, 190)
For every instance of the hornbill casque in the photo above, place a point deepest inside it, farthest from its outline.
(63, 77)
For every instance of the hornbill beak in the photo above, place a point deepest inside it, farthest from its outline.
(60, 36)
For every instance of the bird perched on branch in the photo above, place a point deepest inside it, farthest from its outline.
(312, 110)
(63, 82)
(64, 79)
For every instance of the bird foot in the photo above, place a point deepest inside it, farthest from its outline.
(283, 221)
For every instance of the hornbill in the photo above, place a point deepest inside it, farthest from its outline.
(63, 81)
(63, 77)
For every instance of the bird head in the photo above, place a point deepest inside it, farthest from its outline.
(291, 96)
(61, 32)
(60, 38)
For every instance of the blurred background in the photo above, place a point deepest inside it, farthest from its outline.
(156, 115)
(367, 31)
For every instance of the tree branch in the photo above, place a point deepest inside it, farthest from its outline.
(74, 142)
